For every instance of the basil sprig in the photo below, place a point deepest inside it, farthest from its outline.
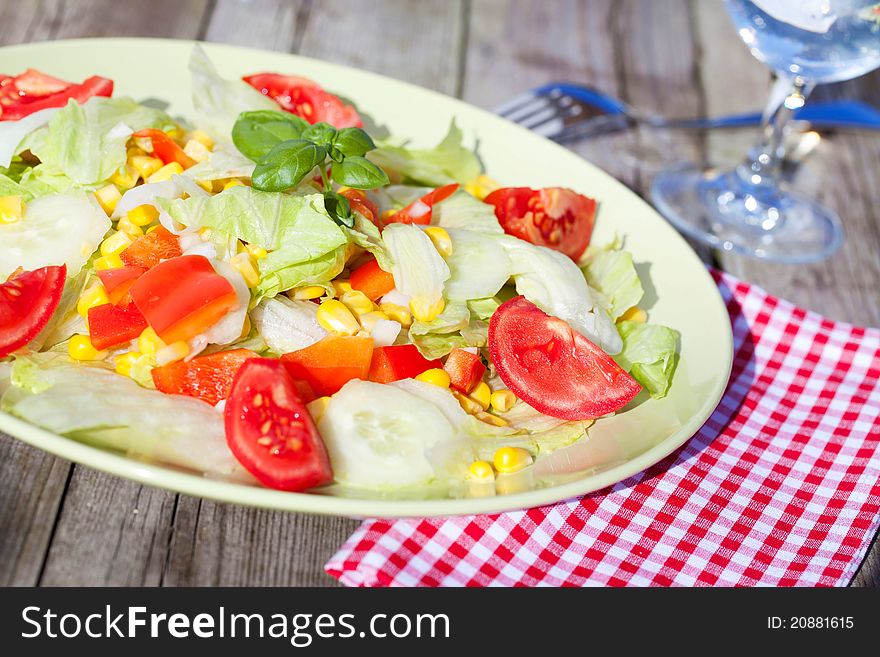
(287, 149)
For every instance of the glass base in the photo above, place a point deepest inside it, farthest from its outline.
(724, 211)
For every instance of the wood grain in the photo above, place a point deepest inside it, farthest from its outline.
(62, 525)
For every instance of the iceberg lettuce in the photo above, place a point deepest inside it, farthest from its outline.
(649, 354)
(611, 271)
(419, 271)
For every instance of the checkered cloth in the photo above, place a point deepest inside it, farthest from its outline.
(781, 486)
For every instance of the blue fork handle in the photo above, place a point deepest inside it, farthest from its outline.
(830, 114)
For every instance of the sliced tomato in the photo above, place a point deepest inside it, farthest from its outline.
(465, 370)
(111, 325)
(27, 301)
(361, 204)
(117, 282)
(331, 362)
(208, 378)
(93, 86)
(399, 362)
(554, 368)
(270, 431)
(420, 210)
(35, 84)
(150, 249)
(182, 297)
(554, 217)
(372, 280)
(306, 99)
(164, 147)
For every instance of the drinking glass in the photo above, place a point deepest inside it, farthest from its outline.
(749, 209)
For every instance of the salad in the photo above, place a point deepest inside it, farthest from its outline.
(265, 292)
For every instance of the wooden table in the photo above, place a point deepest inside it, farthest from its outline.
(62, 524)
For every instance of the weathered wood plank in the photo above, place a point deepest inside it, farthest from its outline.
(180, 19)
(269, 24)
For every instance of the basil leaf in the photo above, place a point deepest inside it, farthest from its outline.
(335, 154)
(257, 133)
(286, 165)
(338, 208)
(353, 141)
(320, 133)
(358, 172)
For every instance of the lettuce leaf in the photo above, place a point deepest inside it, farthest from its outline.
(13, 133)
(612, 273)
(649, 354)
(449, 161)
(86, 143)
(461, 210)
(478, 265)
(419, 271)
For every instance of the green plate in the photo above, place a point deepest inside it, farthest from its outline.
(686, 298)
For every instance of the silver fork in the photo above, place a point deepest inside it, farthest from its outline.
(565, 112)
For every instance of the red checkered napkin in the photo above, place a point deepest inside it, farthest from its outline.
(781, 486)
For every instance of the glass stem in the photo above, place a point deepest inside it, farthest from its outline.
(764, 162)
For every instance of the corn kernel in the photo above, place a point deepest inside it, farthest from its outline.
(108, 196)
(511, 459)
(125, 178)
(80, 348)
(234, 182)
(481, 471)
(468, 404)
(91, 297)
(145, 165)
(123, 363)
(172, 353)
(358, 302)
(481, 186)
(11, 209)
(175, 133)
(125, 225)
(308, 292)
(502, 400)
(482, 394)
(109, 262)
(196, 150)
(257, 251)
(143, 215)
(247, 267)
(203, 138)
(440, 238)
(206, 234)
(488, 418)
(335, 317)
(207, 185)
(165, 173)
(435, 376)
(318, 407)
(634, 314)
(425, 311)
(341, 286)
(148, 342)
(116, 243)
(245, 328)
(399, 314)
(368, 320)
(134, 151)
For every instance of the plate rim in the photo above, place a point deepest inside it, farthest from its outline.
(190, 483)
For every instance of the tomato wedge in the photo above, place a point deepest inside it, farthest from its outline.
(27, 301)
(270, 431)
(150, 249)
(465, 370)
(399, 362)
(111, 325)
(117, 282)
(372, 280)
(554, 217)
(306, 99)
(331, 362)
(12, 108)
(208, 378)
(182, 297)
(420, 210)
(554, 368)
(164, 147)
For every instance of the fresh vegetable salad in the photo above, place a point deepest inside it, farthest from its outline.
(265, 292)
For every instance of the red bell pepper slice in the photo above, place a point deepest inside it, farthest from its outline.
(117, 282)
(148, 250)
(208, 378)
(331, 362)
(111, 325)
(399, 362)
(465, 370)
(421, 210)
(372, 280)
(165, 148)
